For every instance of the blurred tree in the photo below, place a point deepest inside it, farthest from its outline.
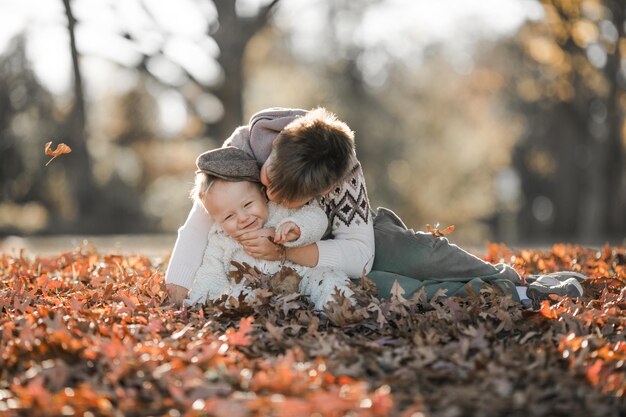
(78, 166)
(231, 32)
(380, 136)
(572, 89)
(429, 138)
(232, 36)
(27, 117)
(212, 98)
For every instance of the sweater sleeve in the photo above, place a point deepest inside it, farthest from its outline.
(189, 248)
(211, 279)
(351, 249)
(311, 220)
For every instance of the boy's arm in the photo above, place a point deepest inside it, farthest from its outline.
(211, 279)
(312, 222)
(188, 250)
(352, 248)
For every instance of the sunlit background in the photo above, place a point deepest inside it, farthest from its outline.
(502, 117)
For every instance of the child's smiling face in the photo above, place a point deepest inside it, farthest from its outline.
(239, 207)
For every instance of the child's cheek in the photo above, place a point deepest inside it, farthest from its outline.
(228, 228)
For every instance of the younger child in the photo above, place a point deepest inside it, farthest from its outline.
(228, 185)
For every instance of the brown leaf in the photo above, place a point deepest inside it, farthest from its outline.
(285, 281)
(275, 331)
(397, 292)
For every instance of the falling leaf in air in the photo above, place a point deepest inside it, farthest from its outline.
(61, 149)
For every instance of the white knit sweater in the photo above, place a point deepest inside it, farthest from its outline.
(211, 281)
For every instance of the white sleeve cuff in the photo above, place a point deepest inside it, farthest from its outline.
(181, 274)
(351, 257)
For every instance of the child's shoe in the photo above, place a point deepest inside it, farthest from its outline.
(560, 276)
(560, 283)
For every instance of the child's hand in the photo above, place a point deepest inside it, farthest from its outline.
(260, 244)
(287, 232)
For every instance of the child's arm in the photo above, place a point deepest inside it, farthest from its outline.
(310, 221)
(188, 251)
(211, 279)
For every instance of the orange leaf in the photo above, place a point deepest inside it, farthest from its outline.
(61, 149)
(546, 311)
(239, 338)
(448, 230)
(593, 372)
(440, 233)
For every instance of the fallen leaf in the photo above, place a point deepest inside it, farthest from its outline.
(239, 337)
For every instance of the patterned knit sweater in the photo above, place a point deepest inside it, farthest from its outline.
(212, 281)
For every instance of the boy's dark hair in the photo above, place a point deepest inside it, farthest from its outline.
(310, 155)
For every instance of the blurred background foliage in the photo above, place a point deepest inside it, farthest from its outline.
(512, 131)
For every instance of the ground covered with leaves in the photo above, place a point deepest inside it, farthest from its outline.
(90, 334)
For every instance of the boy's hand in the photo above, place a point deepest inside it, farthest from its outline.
(287, 232)
(258, 244)
(176, 293)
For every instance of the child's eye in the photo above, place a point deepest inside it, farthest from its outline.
(248, 204)
(230, 216)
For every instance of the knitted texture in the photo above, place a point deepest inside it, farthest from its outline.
(348, 203)
(211, 281)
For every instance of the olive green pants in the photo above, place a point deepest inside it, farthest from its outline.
(421, 260)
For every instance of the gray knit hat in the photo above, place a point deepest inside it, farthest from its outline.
(230, 164)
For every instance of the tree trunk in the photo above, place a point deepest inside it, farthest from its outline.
(232, 43)
(232, 37)
(613, 166)
(78, 164)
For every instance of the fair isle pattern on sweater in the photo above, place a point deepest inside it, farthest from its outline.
(348, 202)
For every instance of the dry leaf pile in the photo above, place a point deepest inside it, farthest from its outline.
(89, 334)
